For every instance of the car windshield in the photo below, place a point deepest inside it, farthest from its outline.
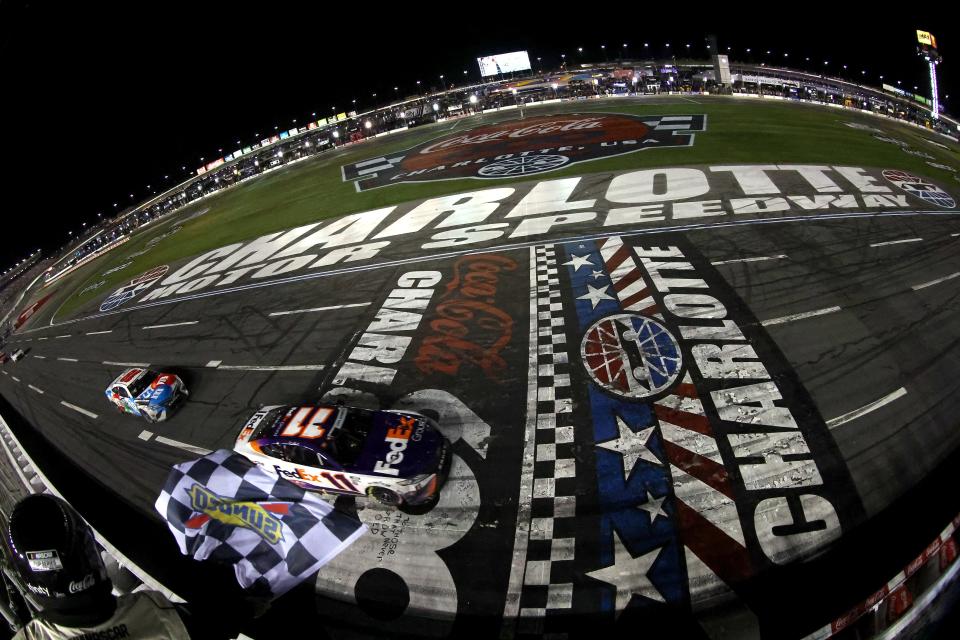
(346, 442)
(137, 386)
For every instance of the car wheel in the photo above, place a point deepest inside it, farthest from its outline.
(384, 496)
(422, 508)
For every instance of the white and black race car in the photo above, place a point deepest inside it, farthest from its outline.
(398, 458)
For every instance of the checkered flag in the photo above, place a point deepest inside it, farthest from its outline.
(224, 508)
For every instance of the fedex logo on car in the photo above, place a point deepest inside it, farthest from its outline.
(398, 437)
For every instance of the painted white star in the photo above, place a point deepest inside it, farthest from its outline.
(598, 274)
(578, 261)
(653, 506)
(629, 575)
(632, 445)
(595, 295)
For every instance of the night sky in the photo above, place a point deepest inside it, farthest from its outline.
(99, 102)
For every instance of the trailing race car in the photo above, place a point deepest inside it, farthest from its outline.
(17, 355)
(396, 457)
(146, 393)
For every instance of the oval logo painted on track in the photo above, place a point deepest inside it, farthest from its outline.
(631, 355)
(525, 147)
(923, 189)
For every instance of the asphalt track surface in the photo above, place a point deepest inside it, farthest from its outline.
(856, 318)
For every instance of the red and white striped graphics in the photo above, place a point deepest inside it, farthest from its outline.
(626, 278)
(709, 524)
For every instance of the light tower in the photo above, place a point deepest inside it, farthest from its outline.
(927, 49)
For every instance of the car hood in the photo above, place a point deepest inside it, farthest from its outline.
(161, 391)
(400, 446)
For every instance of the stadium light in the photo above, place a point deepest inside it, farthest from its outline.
(473, 98)
(436, 107)
(367, 125)
(336, 134)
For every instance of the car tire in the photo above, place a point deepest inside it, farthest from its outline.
(384, 496)
(422, 508)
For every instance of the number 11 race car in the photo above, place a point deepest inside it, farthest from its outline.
(398, 458)
(146, 393)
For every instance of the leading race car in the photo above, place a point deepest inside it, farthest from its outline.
(398, 458)
(146, 393)
(17, 355)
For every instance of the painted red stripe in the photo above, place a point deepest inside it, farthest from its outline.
(197, 521)
(626, 280)
(616, 259)
(703, 469)
(684, 419)
(686, 390)
(635, 298)
(716, 549)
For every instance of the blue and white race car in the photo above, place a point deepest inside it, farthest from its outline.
(398, 458)
(146, 393)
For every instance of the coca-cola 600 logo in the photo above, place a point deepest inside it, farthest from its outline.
(517, 148)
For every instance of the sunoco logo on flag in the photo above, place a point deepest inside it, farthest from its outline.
(524, 147)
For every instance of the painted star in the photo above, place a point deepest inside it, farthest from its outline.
(632, 445)
(595, 295)
(598, 274)
(629, 575)
(653, 506)
(578, 261)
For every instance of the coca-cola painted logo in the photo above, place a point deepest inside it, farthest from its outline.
(517, 148)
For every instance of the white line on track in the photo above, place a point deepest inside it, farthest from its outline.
(954, 235)
(867, 408)
(917, 287)
(126, 364)
(5, 373)
(883, 244)
(65, 336)
(44, 338)
(145, 435)
(799, 316)
(40, 357)
(213, 364)
(15, 378)
(40, 391)
(389, 264)
(173, 324)
(283, 367)
(339, 306)
(67, 359)
(757, 259)
(182, 445)
(98, 333)
(89, 414)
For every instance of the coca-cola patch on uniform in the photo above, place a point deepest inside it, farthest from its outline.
(518, 148)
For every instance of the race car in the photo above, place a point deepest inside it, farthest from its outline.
(17, 355)
(398, 458)
(146, 393)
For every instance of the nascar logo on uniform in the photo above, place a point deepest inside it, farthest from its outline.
(631, 355)
(524, 147)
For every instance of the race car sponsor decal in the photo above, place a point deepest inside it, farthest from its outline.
(27, 313)
(523, 147)
(249, 515)
(131, 290)
(921, 188)
(712, 463)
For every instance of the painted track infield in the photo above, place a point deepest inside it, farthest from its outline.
(578, 492)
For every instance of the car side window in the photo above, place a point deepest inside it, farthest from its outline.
(120, 391)
(300, 455)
